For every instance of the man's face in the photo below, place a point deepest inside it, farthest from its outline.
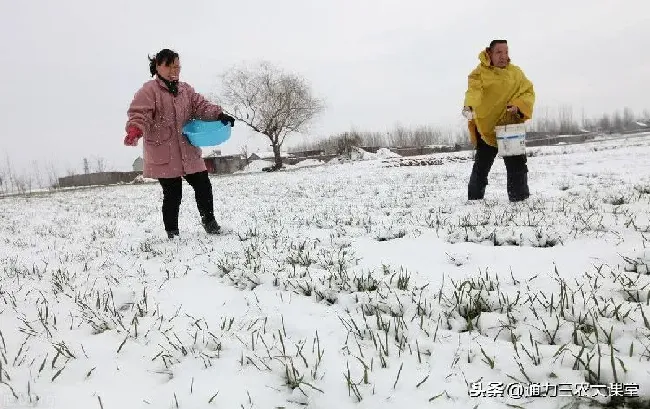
(499, 55)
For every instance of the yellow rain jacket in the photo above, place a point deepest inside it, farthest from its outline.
(490, 91)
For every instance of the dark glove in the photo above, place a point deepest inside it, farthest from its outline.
(226, 119)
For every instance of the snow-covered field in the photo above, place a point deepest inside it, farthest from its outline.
(354, 285)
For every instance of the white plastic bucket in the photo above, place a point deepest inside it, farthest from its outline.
(511, 139)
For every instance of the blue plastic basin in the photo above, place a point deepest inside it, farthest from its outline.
(206, 133)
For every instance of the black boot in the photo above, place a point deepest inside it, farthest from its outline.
(517, 178)
(483, 160)
(200, 182)
(172, 195)
(517, 184)
(210, 225)
(476, 187)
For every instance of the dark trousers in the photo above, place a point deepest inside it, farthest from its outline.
(173, 193)
(516, 168)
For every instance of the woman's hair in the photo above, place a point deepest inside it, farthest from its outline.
(164, 56)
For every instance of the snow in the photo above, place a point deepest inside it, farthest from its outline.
(359, 154)
(386, 153)
(352, 285)
(256, 166)
(141, 179)
(210, 152)
(307, 163)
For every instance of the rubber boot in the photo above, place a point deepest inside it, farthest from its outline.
(476, 187)
(210, 225)
(483, 160)
(517, 185)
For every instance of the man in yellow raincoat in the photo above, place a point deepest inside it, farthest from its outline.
(498, 94)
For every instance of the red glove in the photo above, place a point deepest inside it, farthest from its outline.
(132, 136)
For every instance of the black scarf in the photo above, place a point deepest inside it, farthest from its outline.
(172, 86)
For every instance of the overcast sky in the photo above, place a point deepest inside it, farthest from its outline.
(70, 67)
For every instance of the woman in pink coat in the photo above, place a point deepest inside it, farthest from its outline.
(157, 115)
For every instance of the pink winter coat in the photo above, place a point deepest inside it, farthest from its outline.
(161, 116)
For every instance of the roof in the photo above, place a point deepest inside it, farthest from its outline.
(269, 155)
(210, 153)
(226, 157)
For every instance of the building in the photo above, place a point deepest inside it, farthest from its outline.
(209, 158)
(138, 164)
(640, 126)
(214, 162)
(217, 163)
(268, 156)
(98, 179)
(308, 153)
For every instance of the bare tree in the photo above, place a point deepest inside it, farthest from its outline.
(416, 137)
(244, 152)
(401, 135)
(428, 135)
(421, 136)
(346, 142)
(646, 114)
(100, 165)
(23, 183)
(37, 174)
(270, 101)
(628, 117)
(543, 122)
(10, 180)
(605, 124)
(86, 166)
(52, 176)
(617, 120)
(567, 125)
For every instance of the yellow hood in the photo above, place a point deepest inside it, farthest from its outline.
(484, 58)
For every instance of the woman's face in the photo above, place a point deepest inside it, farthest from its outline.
(170, 72)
